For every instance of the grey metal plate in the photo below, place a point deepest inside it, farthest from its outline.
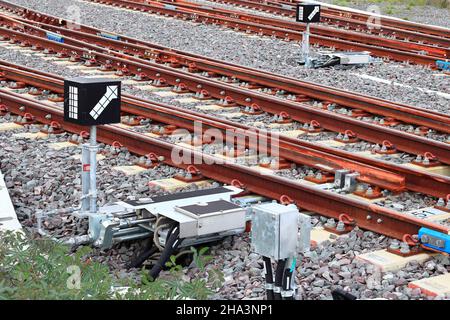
(210, 207)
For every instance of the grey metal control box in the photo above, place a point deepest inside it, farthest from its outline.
(205, 218)
(200, 212)
(275, 230)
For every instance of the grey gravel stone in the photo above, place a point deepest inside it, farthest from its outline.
(330, 265)
(271, 54)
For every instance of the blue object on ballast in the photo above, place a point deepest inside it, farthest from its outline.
(109, 36)
(55, 37)
(434, 240)
(443, 65)
(170, 7)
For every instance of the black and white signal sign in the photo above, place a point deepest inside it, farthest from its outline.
(92, 101)
(308, 13)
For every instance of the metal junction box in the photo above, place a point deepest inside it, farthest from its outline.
(200, 212)
(91, 101)
(275, 230)
(353, 57)
(212, 217)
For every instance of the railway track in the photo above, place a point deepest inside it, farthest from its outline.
(167, 71)
(341, 12)
(349, 19)
(111, 55)
(306, 196)
(419, 52)
(433, 45)
(165, 55)
(320, 157)
(282, 144)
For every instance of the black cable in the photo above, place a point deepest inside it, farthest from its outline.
(328, 63)
(339, 294)
(287, 277)
(279, 279)
(143, 257)
(269, 278)
(172, 243)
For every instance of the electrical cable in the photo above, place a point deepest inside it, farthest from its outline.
(269, 278)
(332, 61)
(279, 279)
(143, 257)
(287, 280)
(339, 294)
(156, 232)
(172, 243)
(287, 277)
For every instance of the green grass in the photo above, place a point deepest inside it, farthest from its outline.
(46, 270)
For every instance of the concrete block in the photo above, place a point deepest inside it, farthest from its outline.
(32, 136)
(331, 143)
(234, 159)
(262, 170)
(63, 62)
(433, 286)
(279, 125)
(52, 58)
(61, 145)
(210, 107)
(189, 100)
(8, 126)
(230, 115)
(172, 184)
(258, 124)
(386, 261)
(92, 70)
(430, 214)
(26, 51)
(144, 86)
(78, 67)
(30, 96)
(293, 133)
(125, 126)
(152, 135)
(442, 170)
(320, 235)
(354, 196)
(129, 170)
(166, 93)
(105, 75)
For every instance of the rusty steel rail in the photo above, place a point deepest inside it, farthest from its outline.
(439, 49)
(279, 32)
(375, 172)
(357, 21)
(299, 153)
(340, 14)
(366, 215)
(299, 112)
(146, 50)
